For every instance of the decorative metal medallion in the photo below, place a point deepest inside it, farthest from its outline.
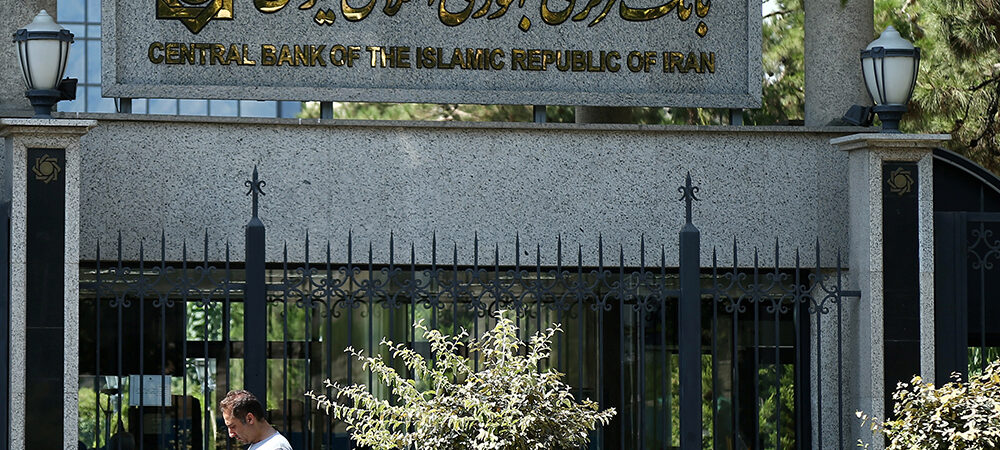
(195, 14)
(900, 182)
(46, 169)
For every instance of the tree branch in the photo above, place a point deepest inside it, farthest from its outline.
(779, 13)
(984, 83)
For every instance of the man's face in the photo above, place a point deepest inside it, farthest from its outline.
(238, 429)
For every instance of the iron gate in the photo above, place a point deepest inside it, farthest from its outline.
(967, 258)
(966, 253)
(717, 357)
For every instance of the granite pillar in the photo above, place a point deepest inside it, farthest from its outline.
(891, 217)
(835, 34)
(41, 185)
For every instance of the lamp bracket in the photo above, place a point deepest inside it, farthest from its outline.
(67, 88)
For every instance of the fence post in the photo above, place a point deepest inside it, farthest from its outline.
(254, 302)
(689, 330)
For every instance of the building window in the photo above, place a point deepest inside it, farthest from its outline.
(83, 19)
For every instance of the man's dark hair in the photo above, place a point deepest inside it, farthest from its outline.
(240, 403)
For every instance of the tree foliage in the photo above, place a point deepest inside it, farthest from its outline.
(956, 416)
(782, 46)
(958, 88)
(510, 404)
(424, 111)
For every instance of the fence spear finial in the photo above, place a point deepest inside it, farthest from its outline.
(688, 195)
(256, 186)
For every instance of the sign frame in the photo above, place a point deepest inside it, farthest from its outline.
(122, 78)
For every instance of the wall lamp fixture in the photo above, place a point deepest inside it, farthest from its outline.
(890, 65)
(43, 50)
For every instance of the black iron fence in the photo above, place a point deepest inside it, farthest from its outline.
(5, 319)
(691, 357)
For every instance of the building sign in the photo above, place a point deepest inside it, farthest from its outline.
(571, 52)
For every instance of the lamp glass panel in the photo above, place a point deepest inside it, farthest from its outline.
(894, 74)
(21, 47)
(44, 63)
(868, 66)
(898, 79)
(63, 59)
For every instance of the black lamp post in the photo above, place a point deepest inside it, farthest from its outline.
(43, 50)
(890, 66)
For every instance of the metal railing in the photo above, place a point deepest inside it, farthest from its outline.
(691, 357)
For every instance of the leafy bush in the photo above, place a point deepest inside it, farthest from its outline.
(508, 405)
(956, 416)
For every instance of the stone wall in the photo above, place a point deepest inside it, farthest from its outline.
(536, 181)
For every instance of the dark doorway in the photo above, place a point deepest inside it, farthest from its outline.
(966, 265)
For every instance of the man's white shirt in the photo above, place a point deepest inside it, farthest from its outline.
(273, 442)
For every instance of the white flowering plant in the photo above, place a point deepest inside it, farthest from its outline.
(956, 416)
(510, 404)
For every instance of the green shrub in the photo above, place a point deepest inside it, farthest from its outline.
(956, 416)
(508, 405)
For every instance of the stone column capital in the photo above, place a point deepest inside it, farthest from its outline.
(889, 142)
(45, 130)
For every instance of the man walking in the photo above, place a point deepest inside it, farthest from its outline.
(244, 417)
